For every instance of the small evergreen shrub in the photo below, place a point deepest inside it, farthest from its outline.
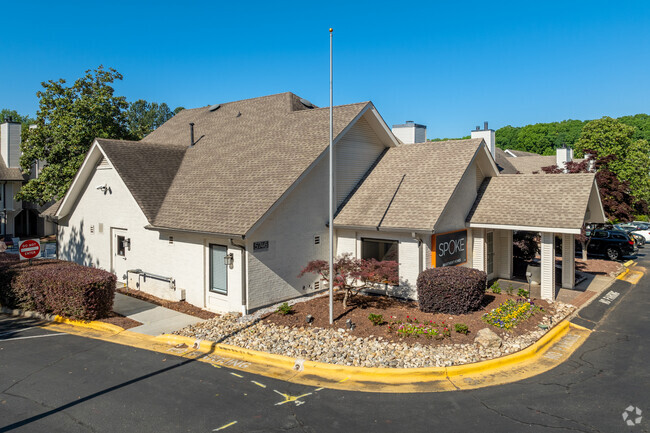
(461, 328)
(523, 293)
(452, 290)
(376, 319)
(495, 287)
(56, 287)
(285, 309)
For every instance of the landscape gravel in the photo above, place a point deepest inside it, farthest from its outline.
(338, 346)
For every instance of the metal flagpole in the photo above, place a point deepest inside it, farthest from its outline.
(331, 191)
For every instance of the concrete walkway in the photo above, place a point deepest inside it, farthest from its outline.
(155, 319)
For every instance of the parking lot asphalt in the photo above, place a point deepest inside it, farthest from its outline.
(58, 382)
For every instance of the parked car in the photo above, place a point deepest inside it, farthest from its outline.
(614, 244)
(638, 228)
(630, 229)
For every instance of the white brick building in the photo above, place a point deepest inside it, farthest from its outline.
(224, 205)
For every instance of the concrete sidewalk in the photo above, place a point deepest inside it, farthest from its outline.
(155, 319)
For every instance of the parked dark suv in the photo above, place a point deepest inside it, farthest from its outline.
(611, 243)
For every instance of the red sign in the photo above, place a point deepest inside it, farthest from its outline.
(29, 249)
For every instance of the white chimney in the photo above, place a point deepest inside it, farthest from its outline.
(487, 135)
(410, 132)
(10, 143)
(563, 155)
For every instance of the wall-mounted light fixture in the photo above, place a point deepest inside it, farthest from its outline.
(229, 260)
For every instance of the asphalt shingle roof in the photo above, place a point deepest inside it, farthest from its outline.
(7, 173)
(553, 201)
(147, 169)
(246, 155)
(410, 186)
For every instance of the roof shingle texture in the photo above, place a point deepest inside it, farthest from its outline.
(553, 201)
(147, 169)
(246, 155)
(503, 162)
(534, 164)
(410, 186)
(7, 173)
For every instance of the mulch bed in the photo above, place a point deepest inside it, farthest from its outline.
(363, 305)
(119, 320)
(180, 306)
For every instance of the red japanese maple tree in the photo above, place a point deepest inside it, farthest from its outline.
(353, 275)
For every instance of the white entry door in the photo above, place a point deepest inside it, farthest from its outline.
(120, 248)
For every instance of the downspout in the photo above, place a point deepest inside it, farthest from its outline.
(420, 251)
(243, 276)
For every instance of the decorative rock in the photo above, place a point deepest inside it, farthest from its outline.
(486, 338)
(339, 347)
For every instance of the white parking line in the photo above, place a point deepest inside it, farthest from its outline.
(31, 336)
(17, 330)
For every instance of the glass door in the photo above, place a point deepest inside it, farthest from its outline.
(218, 269)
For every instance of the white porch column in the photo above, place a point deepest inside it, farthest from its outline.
(506, 254)
(478, 249)
(548, 266)
(568, 261)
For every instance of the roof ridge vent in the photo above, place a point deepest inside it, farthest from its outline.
(306, 103)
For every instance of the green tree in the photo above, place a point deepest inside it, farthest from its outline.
(609, 136)
(6, 114)
(143, 117)
(506, 137)
(69, 118)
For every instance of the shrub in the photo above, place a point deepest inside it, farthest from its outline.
(461, 328)
(523, 293)
(495, 287)
(56, 287)
(285, 309)
(376, 319)
(452, 290)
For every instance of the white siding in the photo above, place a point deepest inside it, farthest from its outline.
(185, 260)
(10, 144)
(290, 231)
(354, 154)
(548, 266)
(478, 249)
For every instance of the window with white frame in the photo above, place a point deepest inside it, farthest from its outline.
(379, 249)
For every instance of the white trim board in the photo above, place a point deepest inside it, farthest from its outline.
(524, 228)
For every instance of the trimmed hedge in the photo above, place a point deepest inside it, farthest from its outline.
(56, 287)
(452, 290)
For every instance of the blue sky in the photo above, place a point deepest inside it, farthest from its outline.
(449, 65)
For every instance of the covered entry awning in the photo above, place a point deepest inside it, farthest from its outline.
(559, 203)
(548, 204)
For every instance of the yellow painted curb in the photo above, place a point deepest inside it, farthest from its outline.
(92, 324)
(505, 369)
(529, 352)
(628, 263)
(623, 274)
